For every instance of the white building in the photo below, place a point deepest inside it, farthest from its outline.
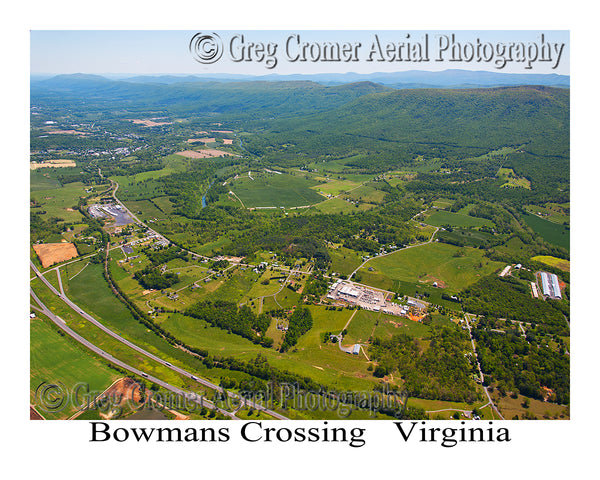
(550, 285)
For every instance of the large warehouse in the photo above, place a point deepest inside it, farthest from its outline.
(550, 286)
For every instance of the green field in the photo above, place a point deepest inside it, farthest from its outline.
(325, 363)
(443, 203)
(344, 260)
(164, 204)
(335, 187)
(553, 212)
(467, 237)
(56, 358)
(366, 193)
(61, 202)
(564, 265)
(275, 191)
(339, 205)
(438, 262)
(367, 325)
(441, 217)
(512, 180)
(549, 231)
(144, 209)
(43, 179)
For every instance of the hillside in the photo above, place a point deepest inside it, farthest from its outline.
(240, 99)
(448, 123)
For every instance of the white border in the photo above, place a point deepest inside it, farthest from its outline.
(548, 449)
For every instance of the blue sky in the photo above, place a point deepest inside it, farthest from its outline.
(153, 52)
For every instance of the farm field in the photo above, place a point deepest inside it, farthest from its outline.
(467, 237)
(452, 267)
(204, 153)
(344, 260)
(441, 217)
(275, 191)
(117, 349)
(61, 202)
(512, 180)
(442, 203)
(43, 180)
(324, 362)
(144, 209)
(366, 194)
(51, 253)
(339, 205)
(553, 212)
(367, 325)
(549, 231)
(564, 265)
(335, 187)
(55, 358)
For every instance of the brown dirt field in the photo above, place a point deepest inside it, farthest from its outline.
(51, 253)
(415, 318)
(52, 163)
(125, 390)
(233, 259)
(203, 140)
(67, 132)
(431, 280)
(227, 141)
(396, 324)
(33, 414)
(222, 131)
(208, 153)
(150, 123)
(125, 387)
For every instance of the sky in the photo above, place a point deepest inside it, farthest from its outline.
(168, 51)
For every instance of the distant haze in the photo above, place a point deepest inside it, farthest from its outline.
(408, 79)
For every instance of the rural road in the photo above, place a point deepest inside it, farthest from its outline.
(490, 401)
(131, 345)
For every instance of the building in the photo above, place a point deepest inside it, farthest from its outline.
(356, 349)
(348, 290)
(534, 290)
(550, 285)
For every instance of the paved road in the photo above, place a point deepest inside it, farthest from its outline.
(138, 349)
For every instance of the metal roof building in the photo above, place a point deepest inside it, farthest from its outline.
(550, 285)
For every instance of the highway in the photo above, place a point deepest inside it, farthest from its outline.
(138, 349)
(190, 396)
